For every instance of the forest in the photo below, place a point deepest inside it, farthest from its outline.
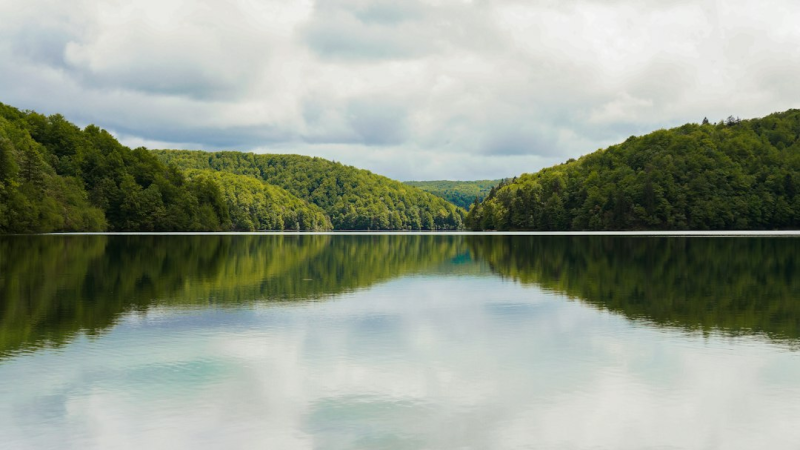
(353, 199)
(459, 193)
(735, 174)
(56, 177)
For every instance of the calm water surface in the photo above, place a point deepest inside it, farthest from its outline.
(399, 342)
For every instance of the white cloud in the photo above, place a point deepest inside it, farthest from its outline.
(464, 87)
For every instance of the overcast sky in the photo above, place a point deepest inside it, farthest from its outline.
(427, 89)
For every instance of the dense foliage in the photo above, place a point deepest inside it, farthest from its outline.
(56, 177)
(354, 199)
(731, 285)
(737, 174)
(459, 193)
(255, 205)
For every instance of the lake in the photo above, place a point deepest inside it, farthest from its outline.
(399, 342)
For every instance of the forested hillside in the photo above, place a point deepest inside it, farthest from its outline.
(255, 205)
(56, 177)
(354, 199)
(459, 193)
(736, 174)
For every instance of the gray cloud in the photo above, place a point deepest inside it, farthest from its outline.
(42, 45)
(379, 30)
(204, 51)
(350, 38)
(368, 30)
(213, 54)
(519, 140)
(454, 83)
(378, 123)
(390, 12)
(210, 138)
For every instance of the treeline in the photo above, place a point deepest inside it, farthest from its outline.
(353, 199)
(459, 193)
(55, 176)
(736, 174)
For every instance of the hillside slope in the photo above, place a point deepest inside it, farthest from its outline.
(734, 175)
(354, 199)
(459, 193)
(256, 205)
(56, 177)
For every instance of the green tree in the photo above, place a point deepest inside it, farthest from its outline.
(733, 175)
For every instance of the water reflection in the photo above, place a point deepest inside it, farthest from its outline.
(419, 362)
(52, 287)
(733, 285)
(209, 342)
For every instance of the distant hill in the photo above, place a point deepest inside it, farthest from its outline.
(353, 199)
(736, 174)
(459, 193)
(56, 177)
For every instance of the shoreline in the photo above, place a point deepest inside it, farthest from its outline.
(748, 233)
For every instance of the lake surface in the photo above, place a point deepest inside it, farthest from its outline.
(399, 342)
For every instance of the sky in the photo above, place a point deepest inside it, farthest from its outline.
(412, 89)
